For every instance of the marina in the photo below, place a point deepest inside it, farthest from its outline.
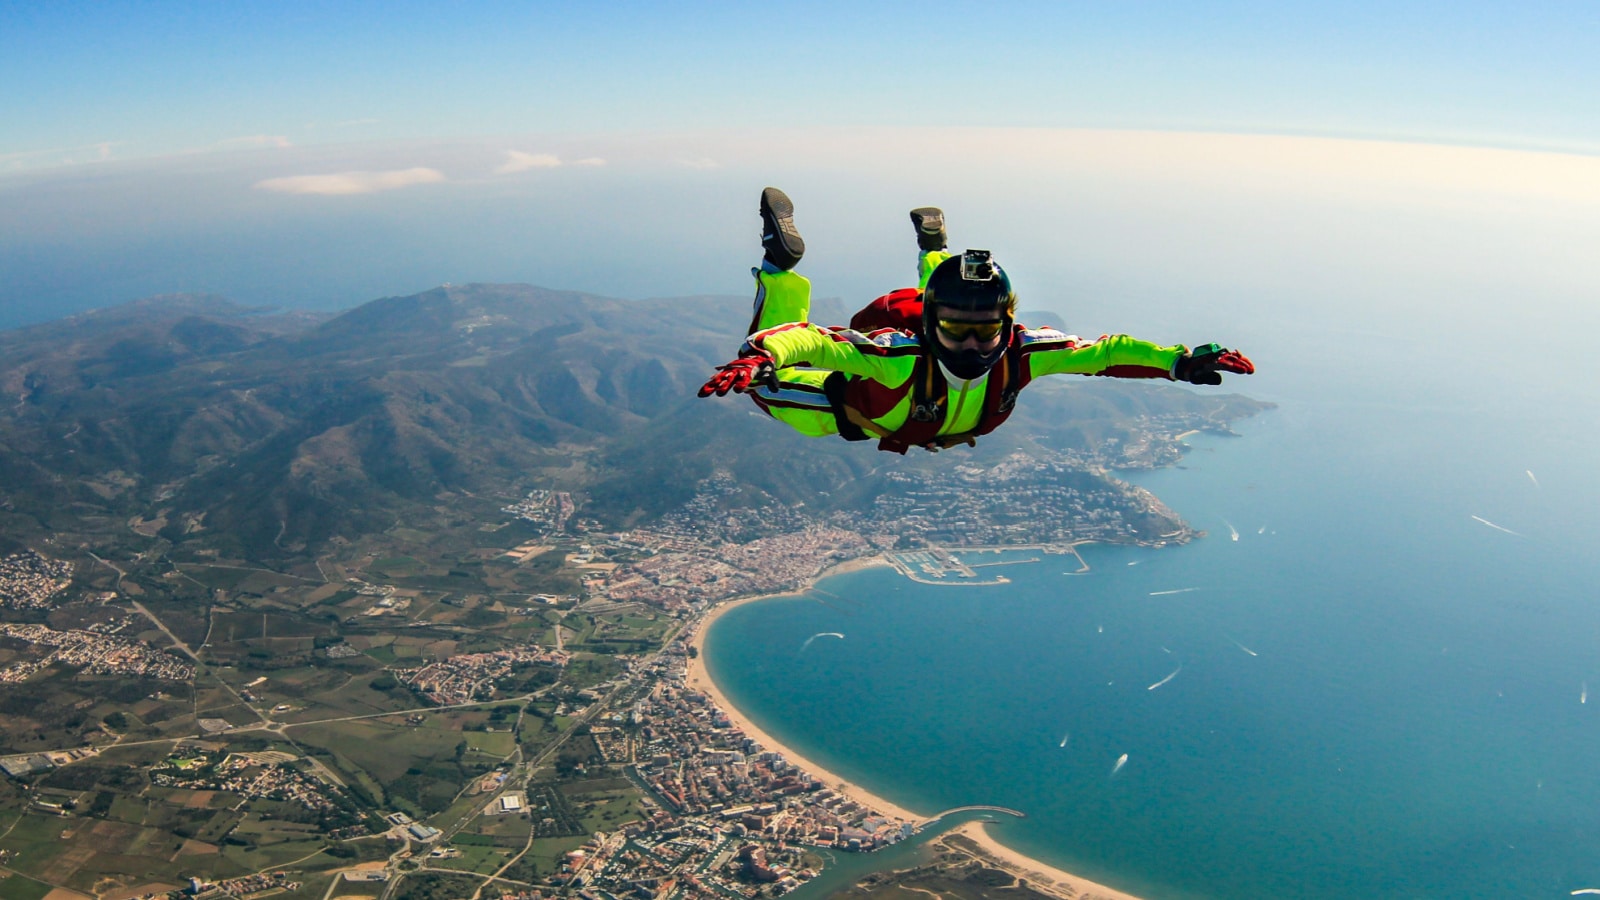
(952, 566)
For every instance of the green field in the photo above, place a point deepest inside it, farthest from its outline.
(333, 693)
(481, 860)
(247, 622)
(21, 887)
(497, 744)
(432, 886)
(277, 854)
(78, 852)
(396, 567)
(418, 767)
(603, 803)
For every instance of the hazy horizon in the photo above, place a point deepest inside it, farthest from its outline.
(1111, 229)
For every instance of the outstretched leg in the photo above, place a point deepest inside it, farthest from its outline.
(931, 241)
(781, 298)
(782, 295)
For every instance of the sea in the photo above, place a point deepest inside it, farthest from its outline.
(1370, 678)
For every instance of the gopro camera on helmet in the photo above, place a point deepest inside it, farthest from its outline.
(976, 266)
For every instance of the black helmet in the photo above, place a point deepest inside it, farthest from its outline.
(971, 282)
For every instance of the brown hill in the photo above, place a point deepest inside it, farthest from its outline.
(283, 431)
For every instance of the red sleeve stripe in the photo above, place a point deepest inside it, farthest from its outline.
(1045, 339)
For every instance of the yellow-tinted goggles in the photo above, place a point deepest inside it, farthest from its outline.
(960, 330)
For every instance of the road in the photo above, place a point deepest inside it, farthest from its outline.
(164, 630)
(523, 771)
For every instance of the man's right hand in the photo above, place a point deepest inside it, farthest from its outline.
(737, 376)
(1205, 364)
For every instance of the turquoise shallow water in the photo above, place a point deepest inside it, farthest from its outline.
(1409, 723)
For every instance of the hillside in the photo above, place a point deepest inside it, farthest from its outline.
(276, 433)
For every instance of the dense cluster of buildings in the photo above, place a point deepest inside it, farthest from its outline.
(243, 886)
(94, 653)
(550, 510)
(723, 818)
(700, 765)
(248, 777)
(1024, 500)
(29, 581)
(475, 676)
(700, 553)
(684, 571)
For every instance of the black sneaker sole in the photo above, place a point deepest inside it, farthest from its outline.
(779, 237)
(930, 227)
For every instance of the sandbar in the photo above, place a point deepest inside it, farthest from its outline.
(1045, 879)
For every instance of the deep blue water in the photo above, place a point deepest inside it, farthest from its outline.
(1409, 726)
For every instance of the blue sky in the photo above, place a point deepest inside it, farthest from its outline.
(1118, 156)
(145, 79)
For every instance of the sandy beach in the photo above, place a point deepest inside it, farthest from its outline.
(1047, 878)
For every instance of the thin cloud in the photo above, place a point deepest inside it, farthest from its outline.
(590, 161)
(65, 156)
(518, 161)
(344, 183)
(255, 140)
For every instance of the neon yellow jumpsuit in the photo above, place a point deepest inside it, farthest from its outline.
(807, 354)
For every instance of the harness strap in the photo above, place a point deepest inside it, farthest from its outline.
(1013, 375)
(861, 422)
(843, 417)
(924, 406)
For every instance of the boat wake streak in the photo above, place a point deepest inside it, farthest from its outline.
(1166, 679)
(1494, 526)
(833, 634)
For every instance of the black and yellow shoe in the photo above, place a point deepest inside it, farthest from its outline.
(930, 227)
(779, 238)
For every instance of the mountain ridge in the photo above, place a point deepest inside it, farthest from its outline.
(284, 431)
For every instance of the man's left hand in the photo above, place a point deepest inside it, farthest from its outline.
(1205, 364)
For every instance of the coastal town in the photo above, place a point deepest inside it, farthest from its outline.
(699, 803)
(722, 816)
(696, 556)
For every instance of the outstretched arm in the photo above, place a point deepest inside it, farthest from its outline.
(1050, 352)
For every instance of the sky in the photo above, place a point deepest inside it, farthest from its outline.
(1125, 155)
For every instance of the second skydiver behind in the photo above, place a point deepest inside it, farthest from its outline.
(932, 366)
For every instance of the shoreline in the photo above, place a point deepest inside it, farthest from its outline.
(1044, 878)
(697, 676)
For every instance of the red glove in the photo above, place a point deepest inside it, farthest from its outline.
(738, 375)
(1202, 365)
